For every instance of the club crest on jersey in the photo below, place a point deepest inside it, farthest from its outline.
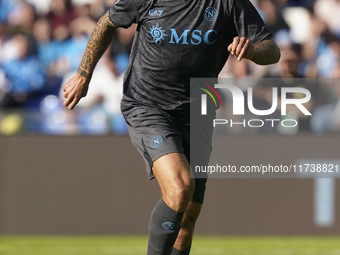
(156, 141)
(157, 33)
(210, 14)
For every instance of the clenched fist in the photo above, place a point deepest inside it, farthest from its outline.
(75, 89)
(241, 48)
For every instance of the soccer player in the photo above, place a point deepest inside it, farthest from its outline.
(175, 40)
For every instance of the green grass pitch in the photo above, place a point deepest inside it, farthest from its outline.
(136, 245)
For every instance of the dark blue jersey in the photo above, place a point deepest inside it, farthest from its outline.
(177, 40)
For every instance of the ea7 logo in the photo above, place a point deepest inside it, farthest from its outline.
(239, 102)
(153, 12)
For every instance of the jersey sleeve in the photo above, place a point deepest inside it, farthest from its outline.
(248, 22)
(126, 12)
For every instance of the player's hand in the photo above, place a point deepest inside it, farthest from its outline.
(74, 90)
(241, 48)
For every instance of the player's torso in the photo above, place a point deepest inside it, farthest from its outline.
(183, 37)
(176, 40)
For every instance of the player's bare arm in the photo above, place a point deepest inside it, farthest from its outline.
(263, 53)
(98, 43)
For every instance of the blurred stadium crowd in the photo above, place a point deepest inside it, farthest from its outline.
(42, 42)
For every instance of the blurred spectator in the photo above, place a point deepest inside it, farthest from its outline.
(70, 50)
(83, 9)
(328, 11)
(5, 8)
(8, 48)
(41, 7)
(80, 30)
(288, 67)
(274, 21)
(61, 15)
(99, 7)
(327, 61)
(25, 75)
(22, 16)
(47, 50)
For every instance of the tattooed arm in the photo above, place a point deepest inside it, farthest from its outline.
(263, 53)
(98, 43)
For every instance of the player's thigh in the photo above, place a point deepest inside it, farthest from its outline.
(172, 170)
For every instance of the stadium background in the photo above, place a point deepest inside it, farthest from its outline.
(75, 172)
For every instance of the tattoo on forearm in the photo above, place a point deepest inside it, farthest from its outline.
(99, 41)
(266, 53)
(83, 73)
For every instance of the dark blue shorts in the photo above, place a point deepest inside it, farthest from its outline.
(156, 132)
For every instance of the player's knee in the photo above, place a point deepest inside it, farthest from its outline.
(185, 191)
(180, 194)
